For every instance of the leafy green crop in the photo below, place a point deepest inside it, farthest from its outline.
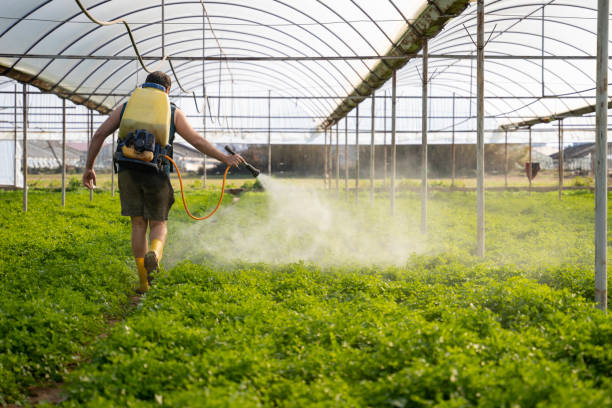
(442, 328)
(62, 273)
(299, 336)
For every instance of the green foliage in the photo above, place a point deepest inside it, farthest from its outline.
(582, 182)
(437, 333)
(58, 282)
(442, 329)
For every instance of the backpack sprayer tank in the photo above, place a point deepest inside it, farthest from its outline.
(148, 110)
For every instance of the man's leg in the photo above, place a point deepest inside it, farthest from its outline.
(157, 237)
(139, 248)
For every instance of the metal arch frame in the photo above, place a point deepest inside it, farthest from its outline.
(535, 5)
(471, 15)
(198, 39)
(360, 35)
(458, 28)
(339, 38)
(25, 16)
(178, 3)
(503, 114)
(127, 63)
(441, 45)
(125, 78)
(191, 64)
(105, 62)
(188, 83)
(553, 39)
(403, 47)
(512, 67)
(391, 42)
(43, 37)
(291, 36)
(458, 89)
(240, 68)
(535, 99)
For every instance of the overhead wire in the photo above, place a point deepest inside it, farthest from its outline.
(135, 47)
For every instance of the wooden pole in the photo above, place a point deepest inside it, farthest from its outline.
(480, 129)
(393, 146)
(357, 154)
(424, 139)
(63, 152)
(372, 147)
(601, 161)
(25, 149)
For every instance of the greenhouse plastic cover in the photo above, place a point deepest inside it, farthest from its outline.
(515, 89)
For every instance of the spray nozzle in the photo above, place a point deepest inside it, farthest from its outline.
(254, 172)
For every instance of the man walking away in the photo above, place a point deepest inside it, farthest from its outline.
(147, 124)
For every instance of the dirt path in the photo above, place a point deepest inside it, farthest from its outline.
(52, 393)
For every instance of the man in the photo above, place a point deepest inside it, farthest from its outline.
(146, 196)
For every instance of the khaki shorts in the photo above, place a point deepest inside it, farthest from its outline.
(146, 194)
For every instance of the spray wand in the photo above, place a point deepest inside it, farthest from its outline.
(255, 172)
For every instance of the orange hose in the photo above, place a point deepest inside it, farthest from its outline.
(183, 194)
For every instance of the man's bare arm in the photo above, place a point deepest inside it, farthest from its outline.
(108, 127)
(188, 133)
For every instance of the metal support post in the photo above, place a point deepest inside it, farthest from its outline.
(560, 158)
(25, 149)
(112, 165)
(506, 158)
(337, 162)
(346, 168)
(480, 129)
(357, 154)
(204, 101)
(372, 152)
(269, 136)
(393, 146)
(530, 166)
(453, 148)
(385, 141)
(424, 119)
(325, 160)
(330, 158)
(89, 133)
(601, 161)
(63, 152)
(15, 136)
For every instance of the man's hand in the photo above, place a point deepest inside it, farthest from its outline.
(89, 178)
(233, 159)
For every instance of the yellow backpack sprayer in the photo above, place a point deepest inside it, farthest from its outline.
(145, 133)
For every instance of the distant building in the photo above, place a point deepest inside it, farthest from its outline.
(577, 158)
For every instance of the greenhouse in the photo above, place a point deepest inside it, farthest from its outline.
(305, 203)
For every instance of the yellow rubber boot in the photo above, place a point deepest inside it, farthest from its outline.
(154, 256)
(143, 276)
